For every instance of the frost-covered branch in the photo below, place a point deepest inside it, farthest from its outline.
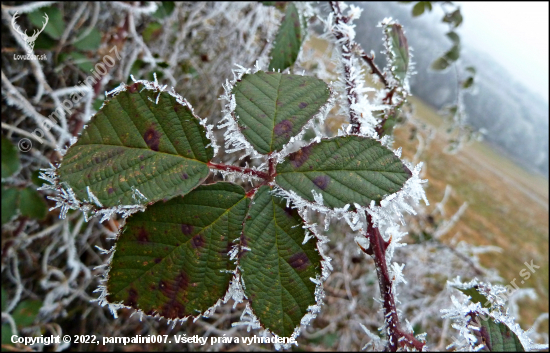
(397, 337)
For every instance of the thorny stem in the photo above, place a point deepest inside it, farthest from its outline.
(267, 177)
(377, 250)
(234, 168)
(370, 61)
(397, 338)
(347, 45)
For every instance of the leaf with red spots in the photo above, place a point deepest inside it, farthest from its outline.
(272, 107)
(288, 40)
(133, 142)
(277, 269)
(172, 263)
(345, 170)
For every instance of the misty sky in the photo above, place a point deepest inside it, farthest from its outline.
(515, 33)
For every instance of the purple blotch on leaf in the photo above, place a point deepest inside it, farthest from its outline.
(132, 298)
(300, 157)
(143, 235)
(186, 229)
(152, 138)
(321, 181)
(299, 261)
(197, 241)
(283, 128)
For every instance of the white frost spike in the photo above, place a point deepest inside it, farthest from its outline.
(248, 319)
(460, 314)
(362, 242)
(235, 290)
(137, 195)
(396, 272)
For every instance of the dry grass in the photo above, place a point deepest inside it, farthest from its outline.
(508, 206)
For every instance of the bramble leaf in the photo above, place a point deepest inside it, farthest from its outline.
(475, 296)
(272, 107)
(497, 337)
(344, 170)
(172, 259)
(91, 41)
(468, 83)
(454, 17)
(10, 158)
(165, 9)
(10, 203)
(440, 64)
(454, 37)
(277, 269)
(134, 143)
(418, 9)
(25, 312)
(288, 40)
(453, 54)
(56, 25)
(399, 51)
(32, 204)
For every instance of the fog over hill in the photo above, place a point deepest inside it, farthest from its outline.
(515, 117)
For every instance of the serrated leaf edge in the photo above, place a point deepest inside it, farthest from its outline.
(326, 268)
(66, 198)
(115, 307)
(391, 204)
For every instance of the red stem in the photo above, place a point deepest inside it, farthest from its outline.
(347, 46)
(234, 168)
(370, 61)
(377, 250)
(377, 246)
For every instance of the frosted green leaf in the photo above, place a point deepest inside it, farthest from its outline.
(32, 204)
(277, 269)
(288, 40)
(399, 51)
(344, 170)
(10, 203)
(10, 158)
(134, 143)
(475, 295)
(56, 25)
(272, 107)
(172, 259)
(497, 337)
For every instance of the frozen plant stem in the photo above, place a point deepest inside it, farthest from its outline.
(234, 168)
(370, 61)
(397, 338)
(347, 46)
(377, 250)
